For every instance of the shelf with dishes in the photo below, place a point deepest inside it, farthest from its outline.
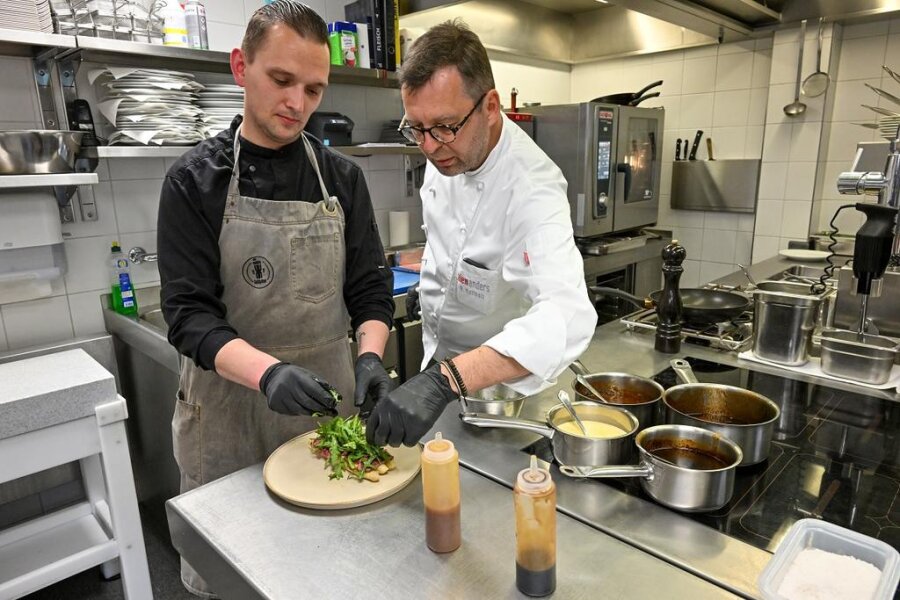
(23, 42)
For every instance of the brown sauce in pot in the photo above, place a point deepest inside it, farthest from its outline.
(690, 458)
(614, 394)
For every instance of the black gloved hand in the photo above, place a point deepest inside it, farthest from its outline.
(413, 308)
(293, 390)
(373, 383)
(409, 411)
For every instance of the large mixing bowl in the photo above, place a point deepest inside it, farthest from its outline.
(38, 151)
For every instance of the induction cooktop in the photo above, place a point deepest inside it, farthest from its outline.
(835, 456)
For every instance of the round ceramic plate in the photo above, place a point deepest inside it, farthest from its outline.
(294, 474)
(804, 255)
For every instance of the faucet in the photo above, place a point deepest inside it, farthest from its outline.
(139, 255)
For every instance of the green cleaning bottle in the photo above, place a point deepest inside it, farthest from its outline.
(124, 301)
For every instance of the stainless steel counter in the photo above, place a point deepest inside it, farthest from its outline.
(252, 545)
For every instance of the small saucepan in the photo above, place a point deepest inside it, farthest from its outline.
(743, 416)
(641, 397)
(569, 446)
(682, 467)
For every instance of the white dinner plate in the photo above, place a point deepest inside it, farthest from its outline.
(804, 255)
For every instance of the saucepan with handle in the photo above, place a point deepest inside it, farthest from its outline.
(743, 416)
(640, 396)
(685, 468)
(569, 446)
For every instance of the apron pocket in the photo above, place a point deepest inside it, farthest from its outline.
(314, 262)
(186, 442)
(477, 288)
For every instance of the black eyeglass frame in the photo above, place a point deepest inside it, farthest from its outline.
(454, 129)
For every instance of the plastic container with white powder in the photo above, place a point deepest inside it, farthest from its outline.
(818, 560)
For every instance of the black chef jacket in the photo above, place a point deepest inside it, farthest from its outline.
(191, 206)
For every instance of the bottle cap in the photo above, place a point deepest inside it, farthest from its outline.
(439, 449)
(115, 246)
(534, 480)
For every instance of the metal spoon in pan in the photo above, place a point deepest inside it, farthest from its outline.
(580, 370)
(564, 398)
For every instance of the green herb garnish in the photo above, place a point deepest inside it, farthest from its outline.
(342, 444)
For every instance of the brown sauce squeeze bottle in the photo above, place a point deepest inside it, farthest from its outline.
(440, 489)
(535, 499)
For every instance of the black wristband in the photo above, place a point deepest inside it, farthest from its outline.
(457, 377)
(267, 373)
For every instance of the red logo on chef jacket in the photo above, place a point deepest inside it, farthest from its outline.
(462, 279)
(258, 271)
(526, 259)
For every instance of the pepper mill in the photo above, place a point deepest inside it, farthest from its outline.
(668, 309)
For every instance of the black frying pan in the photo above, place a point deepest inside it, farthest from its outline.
(627, 98)
(698, 305)
(637, 101)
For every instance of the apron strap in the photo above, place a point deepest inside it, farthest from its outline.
(233, 185)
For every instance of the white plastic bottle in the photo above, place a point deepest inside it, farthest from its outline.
(174, 25)
(195, 16)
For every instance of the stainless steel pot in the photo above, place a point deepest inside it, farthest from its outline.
(641, 397)
(784, 316)
(685, 488)
(569, 448)
(38, 151)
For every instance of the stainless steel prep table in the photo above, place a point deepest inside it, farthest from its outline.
(251, 545)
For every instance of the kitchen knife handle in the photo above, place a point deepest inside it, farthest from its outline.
(695, 145)
(709, 150)
(678, 149)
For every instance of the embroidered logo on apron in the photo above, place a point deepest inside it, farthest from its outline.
(258, 271)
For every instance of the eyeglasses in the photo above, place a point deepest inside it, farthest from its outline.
(443, 134)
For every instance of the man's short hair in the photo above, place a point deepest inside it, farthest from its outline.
(450, 44)
(296, 15)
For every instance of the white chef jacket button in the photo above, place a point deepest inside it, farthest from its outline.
(462, 228)
(424, 227)
(443, 290)
(449, 262)
(480, 186)
(252, 169)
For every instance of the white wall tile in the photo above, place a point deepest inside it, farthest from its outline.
(87, 313)
(699, 75)
(744, 47)
(37, 322)
(829, 186)
(743, 247)
(795, 220)
(731, 108)
(862, 30)
(672, 74)
(224, 37)
(857, 55)
(768, 217)
(720, 220)
(718, 246)
(759, 102)
(849, 96)
(88, 267)
(712, 270)
(146, 272)
(691, 238)
(226, 11)
(892, 55)
(842, 141)
(784, 62)
(801, 181)
(777, 142)
(762, 69)
(746, 222)
(732, 71)
(137, 204)
(691, 275)
(764, 247)
(753, 145)
(772, 178)
(696, 111)
(701, 52)
(728, 142)
(779, 96)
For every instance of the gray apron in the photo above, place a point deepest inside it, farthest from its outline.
(282, 269)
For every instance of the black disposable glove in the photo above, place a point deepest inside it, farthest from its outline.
(373, 384)
(409, 411)
(413, 308)
(292, 390)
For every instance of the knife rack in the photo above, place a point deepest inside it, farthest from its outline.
(715, 185)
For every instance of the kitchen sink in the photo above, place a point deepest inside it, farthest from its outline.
(154, 318)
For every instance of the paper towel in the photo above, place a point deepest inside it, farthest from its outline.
(399, 228)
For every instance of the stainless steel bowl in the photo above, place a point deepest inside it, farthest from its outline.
(38, 151)
(495, 400)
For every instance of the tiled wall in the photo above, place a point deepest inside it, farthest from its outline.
(721, 90)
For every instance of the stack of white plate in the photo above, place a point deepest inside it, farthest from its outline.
(887, 127)
(220, 103)
(150, 106)
(33, 15)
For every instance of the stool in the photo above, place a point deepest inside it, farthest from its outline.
(55, 409)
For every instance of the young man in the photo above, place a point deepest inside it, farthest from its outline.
(502, 294)
(267, 242)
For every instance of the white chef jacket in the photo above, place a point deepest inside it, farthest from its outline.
(500, 266)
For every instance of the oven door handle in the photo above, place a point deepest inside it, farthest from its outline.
(626, 169)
